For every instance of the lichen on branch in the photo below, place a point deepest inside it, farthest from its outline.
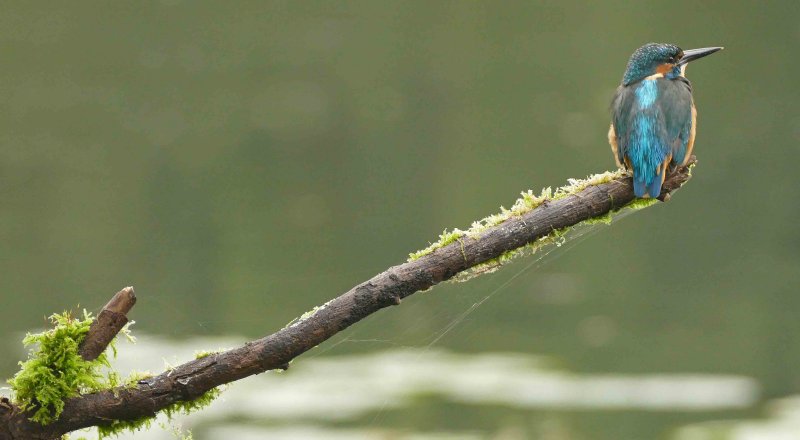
(527, 201)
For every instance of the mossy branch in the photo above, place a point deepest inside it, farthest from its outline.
(66, 361)
(531, 219)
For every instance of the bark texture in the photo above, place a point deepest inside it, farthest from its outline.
(108, 323)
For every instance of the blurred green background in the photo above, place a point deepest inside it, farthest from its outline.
(241, 162)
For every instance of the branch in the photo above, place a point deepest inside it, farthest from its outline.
(191, 380)
(107, 324)
(111, 319)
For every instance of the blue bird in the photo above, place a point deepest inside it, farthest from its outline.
(654, 120)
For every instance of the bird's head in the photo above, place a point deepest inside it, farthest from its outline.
(661, 59)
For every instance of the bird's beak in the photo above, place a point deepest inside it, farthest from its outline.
(696, 54)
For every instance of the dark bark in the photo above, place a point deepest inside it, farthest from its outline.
(190, 380)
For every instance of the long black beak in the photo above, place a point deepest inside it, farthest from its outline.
(696, 54)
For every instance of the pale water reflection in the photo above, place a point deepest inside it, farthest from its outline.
(319, 393)
(311, 432)
(782, 423)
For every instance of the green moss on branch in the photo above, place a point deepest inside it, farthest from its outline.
(54, 371)
(181, 407)
(528, 201)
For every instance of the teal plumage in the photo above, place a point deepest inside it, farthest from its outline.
(653, 118)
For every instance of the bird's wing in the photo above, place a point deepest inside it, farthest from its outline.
(621, 109)
(676, 106)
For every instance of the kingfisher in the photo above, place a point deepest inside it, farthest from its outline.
(653, 117)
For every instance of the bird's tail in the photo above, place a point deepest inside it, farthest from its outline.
(654, 189)
(642, 189)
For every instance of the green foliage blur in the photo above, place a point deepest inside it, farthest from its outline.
(241, 162)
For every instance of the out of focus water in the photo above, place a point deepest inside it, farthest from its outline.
(527, 396)
(239, 163)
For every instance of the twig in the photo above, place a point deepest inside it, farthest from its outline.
(190, 380)
(107, 324)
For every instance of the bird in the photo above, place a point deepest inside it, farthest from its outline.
(653, 116)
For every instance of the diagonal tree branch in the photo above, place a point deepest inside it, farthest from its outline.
(192, 379)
